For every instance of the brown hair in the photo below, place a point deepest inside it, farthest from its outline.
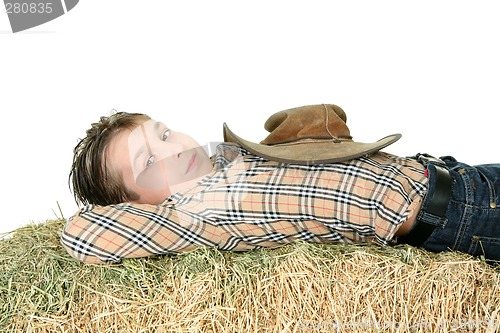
(92, 181)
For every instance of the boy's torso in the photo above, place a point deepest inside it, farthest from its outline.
(358, 200)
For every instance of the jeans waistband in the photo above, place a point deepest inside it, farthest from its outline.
(436, 201)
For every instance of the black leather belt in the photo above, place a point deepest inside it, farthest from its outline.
(437, 204)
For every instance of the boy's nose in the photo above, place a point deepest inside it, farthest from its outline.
(167, 149)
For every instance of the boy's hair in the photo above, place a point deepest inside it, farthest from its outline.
(92, 180)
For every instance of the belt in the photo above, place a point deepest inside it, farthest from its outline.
(436, 204)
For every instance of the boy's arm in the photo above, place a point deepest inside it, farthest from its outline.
(106, 234)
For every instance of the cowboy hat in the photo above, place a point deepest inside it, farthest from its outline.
(310, 134)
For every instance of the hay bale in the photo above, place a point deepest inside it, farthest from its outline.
(295, 288)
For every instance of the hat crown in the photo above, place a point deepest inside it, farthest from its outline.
(322, 121)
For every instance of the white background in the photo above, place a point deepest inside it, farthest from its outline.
(427, 69)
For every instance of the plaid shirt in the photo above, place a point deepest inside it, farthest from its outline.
(248, 202)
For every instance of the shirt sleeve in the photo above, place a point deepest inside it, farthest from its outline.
(106, 234)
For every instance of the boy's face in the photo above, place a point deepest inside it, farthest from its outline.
(156, 162)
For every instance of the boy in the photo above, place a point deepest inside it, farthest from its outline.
(150, 190)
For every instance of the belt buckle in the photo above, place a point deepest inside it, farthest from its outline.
(429, 159)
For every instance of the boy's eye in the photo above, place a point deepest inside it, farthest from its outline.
(150, 161)
(165, 135)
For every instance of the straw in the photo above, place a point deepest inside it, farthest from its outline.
(299, 287)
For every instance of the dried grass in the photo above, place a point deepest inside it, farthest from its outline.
(296, 288)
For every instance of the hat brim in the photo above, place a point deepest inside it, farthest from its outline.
(311, 151)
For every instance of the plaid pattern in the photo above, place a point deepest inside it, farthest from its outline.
(248, 202)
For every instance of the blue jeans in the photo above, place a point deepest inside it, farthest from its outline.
(472, 222)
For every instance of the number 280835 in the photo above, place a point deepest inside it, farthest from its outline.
(28, 8)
